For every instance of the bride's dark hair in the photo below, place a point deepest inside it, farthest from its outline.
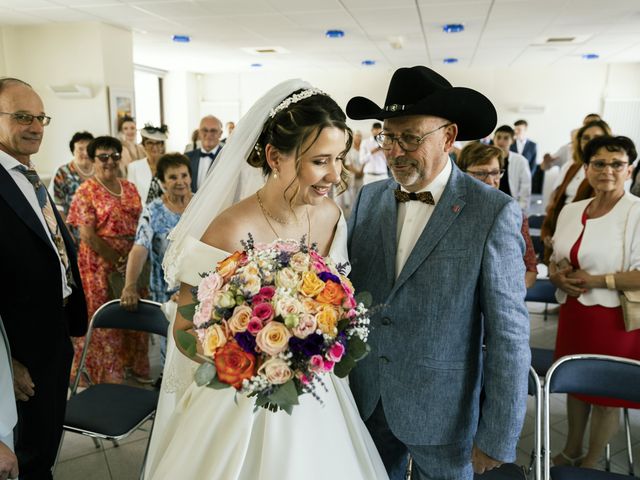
(298, 124)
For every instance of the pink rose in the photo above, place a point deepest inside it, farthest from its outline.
(318, 262)
(328, 365)
(290, 247)
(336, 351)
(303, 378)
(267, 292)
(307, 324)
(203, 313)
(263, 311)
(349, 302)
(254, 326)
(317, 363)
(209, 285)
(276, 371)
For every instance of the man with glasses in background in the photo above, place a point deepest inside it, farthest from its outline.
(41, 298)
(445, 273)
(202, 158)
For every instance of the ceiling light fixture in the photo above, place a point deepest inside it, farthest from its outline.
(449, 60)
(181, 38)
(334, 33)
(368, 63)
(590, 56)
(453, 28)
(256, 65)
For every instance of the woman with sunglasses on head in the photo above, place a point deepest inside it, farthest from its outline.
(142, 173)
(485, 163)
(105, 209)
(596, 254)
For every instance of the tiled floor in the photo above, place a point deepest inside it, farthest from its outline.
(80, 460)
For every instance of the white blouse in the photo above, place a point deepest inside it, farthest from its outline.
(139, 173)
(600, 251)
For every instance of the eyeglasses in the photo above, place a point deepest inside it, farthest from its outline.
(215, 131)
(152, 143)
(27, 118)
(600, 165)
(406, 141)
(104, 157)
(483, 175)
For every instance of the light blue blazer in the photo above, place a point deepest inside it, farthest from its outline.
(8, 415)
(462, 285)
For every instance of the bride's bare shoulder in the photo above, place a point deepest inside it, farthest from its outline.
(330, 211)
(231, 226)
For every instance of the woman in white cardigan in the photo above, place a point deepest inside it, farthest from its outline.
(596, 253)
(142, 173)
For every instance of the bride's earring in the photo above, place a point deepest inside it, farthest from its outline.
(275, 174)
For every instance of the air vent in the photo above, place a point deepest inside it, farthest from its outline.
(560, 39)
(265, 50)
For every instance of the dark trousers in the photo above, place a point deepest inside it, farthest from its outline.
(430, 462)
(40, 419)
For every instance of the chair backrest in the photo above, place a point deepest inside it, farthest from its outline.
(148, 317)
(542, 291)
(535, 221)
(587, 374)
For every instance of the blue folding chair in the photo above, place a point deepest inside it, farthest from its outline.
(512, 471)
(543, 291)
(599, 375)
(114, 411)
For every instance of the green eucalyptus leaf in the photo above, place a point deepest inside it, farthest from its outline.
(205, 373)
(343, 324)
(285, 396)
(188, 311)
(344, 366)
(364, 298)
(357, 348)
(187, 342)
(217, 384)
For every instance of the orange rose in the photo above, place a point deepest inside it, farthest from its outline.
(333, 293)
(234, 365)
(227, 267)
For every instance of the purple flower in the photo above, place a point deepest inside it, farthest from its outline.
(310, 346)
(324, 276)
(246, 341)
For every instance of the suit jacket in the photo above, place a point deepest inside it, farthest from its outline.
(30, 283)
(462, 283)
(194, 157)
(530, 152)
(8, 414)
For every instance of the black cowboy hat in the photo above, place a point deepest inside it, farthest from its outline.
(421, 91)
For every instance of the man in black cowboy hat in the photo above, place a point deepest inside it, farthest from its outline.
(447, 275)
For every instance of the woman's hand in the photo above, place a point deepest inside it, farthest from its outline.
(588, 281)
(130, 297)
(560, 277)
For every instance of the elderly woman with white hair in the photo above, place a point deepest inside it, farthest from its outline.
(142, 173)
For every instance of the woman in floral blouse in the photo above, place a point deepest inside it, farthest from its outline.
(105, 210)
(70, 176)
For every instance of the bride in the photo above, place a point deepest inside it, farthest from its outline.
(297, 136)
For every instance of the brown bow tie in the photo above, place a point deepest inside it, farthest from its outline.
(424, 197)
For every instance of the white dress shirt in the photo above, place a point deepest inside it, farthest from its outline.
(11, 165)
(600, 250)
(519, 176)
(205, 164)
(375, 164)
(139, 173)
(413, 217)
(8, 415)
(520, 145)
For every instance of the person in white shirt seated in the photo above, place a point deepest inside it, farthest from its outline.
(517, 180)
(8, 414)
(142, 173)
(372, 157)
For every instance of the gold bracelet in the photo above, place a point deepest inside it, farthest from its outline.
(610, 280)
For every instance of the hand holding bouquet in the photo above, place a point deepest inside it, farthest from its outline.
(272, 320)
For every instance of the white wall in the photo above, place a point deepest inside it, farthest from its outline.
(91, 54)
(565, 93)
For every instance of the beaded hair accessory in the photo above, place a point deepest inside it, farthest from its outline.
(295, 99)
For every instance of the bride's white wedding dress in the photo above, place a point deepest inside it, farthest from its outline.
(212, 434)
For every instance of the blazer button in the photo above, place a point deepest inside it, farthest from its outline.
(386, 321)
(384, 359)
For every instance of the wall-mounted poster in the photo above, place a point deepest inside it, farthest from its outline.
(121, 105)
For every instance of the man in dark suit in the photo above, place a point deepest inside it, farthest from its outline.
(41, 298)
(522, 145)
(202, 158)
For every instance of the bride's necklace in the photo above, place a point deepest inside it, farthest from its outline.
(268, 215)
(115, 194)
(82, 172)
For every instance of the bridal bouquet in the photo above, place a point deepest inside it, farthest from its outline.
(272, 320)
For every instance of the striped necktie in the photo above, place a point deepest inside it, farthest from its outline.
(49, 216)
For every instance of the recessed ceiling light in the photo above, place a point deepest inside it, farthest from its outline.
(334, 33)
(368, 63)
(590, 56)
(453, 28)
(256, 65)
(449, 60)
(181, 38)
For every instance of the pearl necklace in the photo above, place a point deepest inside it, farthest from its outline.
(108, 189)
(82, 172)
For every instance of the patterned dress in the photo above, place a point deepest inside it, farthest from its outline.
(155, 224)
(64, 185)
(114, 219)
